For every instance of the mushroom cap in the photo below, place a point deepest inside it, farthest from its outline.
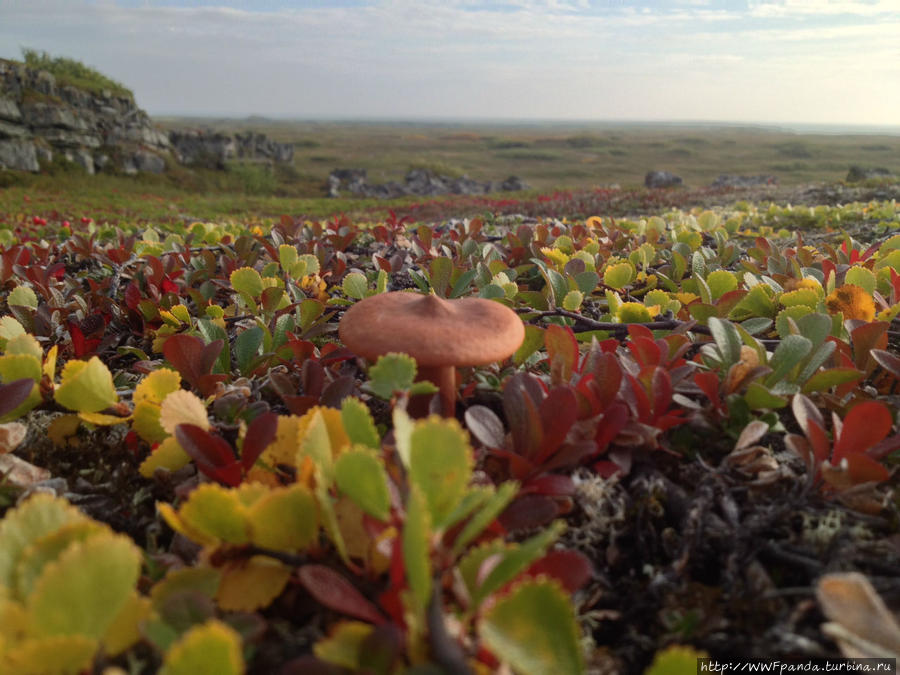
(434, 331)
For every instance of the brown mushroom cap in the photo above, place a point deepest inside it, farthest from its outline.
(434, 331)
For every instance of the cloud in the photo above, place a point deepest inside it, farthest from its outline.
(480, 58)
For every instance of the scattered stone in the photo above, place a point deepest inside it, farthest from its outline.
(19, 473)
(419, 182)
(149, 162)
(733, 181)
(661, 179)
(858, 174)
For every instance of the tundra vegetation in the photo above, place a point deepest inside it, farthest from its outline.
(697, 429)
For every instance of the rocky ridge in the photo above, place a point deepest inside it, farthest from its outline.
(41, 120)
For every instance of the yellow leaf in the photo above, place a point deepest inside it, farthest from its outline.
(169, 455)
(49, 368)
(62, 429)
(182, 407)
(175, 521)
(86, 386)
(56, 655)
(251, 584)
(286, 519)
(156, 386)
(124, 630)
(852, 301)
(25, 344)
(216, 512)
(145, 421)
(343, 644)
(102, 420)
(212, 648)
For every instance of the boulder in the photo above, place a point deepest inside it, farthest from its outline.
(82, 158)
(661, 179)
(18, 154)
(9, 130)
(148, 162)
(513, 184)
(857, 174)
(202, 148)
(732, 181)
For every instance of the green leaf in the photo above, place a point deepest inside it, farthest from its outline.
(792, 350)
(355, 285)
(246, 347)
(727, 339)
(619, 275)
(216, 512)
(309, 310)
(247, 280)
(284, 519)
(358, 423)
(572, 301)
(533, 629)
(858, 276)
(758, 397)
(516, 560)
(37, 517)
(344, 643)
(440, 464)
(721, 282)
(213, 648)
(485, 516)
(85, 588)
(675, 660)
(758, 302)
(827, 379)
(22, 296)
(308, 265)
(86, 386)
(360, 475)
(534, 340)
(441, 269)
(211, 331)
(287, 256)
(462, 283)
(316, 444)
(392, 373)
(9, 328)
(756, 326)
(416, 551)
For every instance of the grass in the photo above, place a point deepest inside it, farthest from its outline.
(71, 72)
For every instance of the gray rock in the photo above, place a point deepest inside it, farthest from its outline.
(83, 158)
(732, 181)
(44, 151)
(45, 115)
(101, 161)
(201, 148)
(64, 138)
(43, 82)
(661, 179)
(149, 162)
(513, 184)
(18, 154)
(9, 111)
(8, 130)
(857, 174)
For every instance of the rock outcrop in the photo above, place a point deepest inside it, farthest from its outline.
(418, 182)
(661, 179)
(41, 120)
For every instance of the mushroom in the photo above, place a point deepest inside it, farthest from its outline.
(439, 334)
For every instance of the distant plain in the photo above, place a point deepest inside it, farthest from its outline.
(566, 155)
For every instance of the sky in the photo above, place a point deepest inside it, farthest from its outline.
(761, 61)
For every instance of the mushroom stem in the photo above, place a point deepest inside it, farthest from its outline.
(444, 378)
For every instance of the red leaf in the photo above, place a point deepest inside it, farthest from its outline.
(132, 296)
(335, 592)
(570, 568)
(13, 394)
(562, 349)
(645, 351)
(614, 420)
(661, 386)
(551, 485)
(607, 377)
(260, 434)
(559, 411)
(709, 384)
(208, 356)
(529, 511)
(212, 453)
(865, 338)
(866, 424)
(185, 352)
(521, 396)
(167, 286)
